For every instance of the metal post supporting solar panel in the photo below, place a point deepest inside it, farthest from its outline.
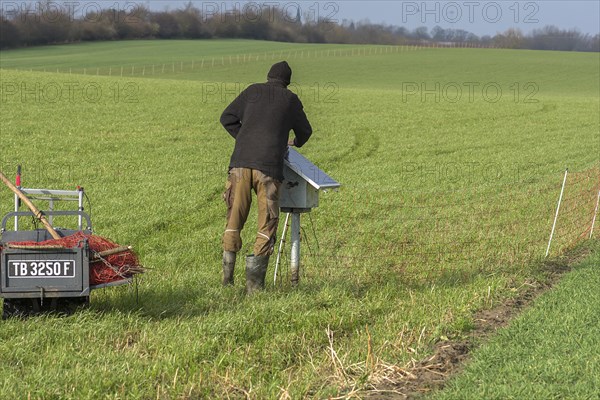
(295, 253)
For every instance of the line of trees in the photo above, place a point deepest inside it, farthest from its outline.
(45, 23)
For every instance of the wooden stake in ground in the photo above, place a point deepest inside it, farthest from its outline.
(36, 212)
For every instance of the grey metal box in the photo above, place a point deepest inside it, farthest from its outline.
(44, 273)
(302, 182)
(296, 192)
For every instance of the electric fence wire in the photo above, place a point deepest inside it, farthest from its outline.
(574, 220)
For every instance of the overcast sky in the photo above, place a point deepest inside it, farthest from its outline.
(479, 17)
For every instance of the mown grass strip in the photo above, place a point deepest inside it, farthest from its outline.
(552, 351)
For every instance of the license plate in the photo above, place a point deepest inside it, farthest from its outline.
(41, 269)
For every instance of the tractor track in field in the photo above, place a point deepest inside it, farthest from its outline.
(448, 358)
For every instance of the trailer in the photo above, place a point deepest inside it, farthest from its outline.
(47, 278)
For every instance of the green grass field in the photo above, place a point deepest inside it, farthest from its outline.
(552, 351)
(451, 162)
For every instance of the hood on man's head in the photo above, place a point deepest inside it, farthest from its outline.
(280, 71)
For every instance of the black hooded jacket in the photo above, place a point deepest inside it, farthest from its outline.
(260, 120)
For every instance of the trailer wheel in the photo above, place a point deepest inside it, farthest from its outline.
(10, 308)
(22, 308)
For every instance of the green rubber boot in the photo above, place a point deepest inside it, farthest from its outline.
(256, 271)
(228, 267)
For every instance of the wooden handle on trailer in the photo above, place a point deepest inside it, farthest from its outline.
(110, 252)
(38, 214)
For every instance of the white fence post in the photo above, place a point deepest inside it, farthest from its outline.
(557, 210)
(595, 214)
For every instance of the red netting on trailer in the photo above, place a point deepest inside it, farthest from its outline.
(105, 269)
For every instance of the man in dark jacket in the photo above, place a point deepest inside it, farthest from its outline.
(260, 120)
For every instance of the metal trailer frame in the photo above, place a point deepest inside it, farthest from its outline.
(26, 283)
(51, 196)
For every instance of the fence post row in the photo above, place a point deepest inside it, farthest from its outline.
(248, 57)
(296, 54)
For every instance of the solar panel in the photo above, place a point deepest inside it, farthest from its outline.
(307, 170)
